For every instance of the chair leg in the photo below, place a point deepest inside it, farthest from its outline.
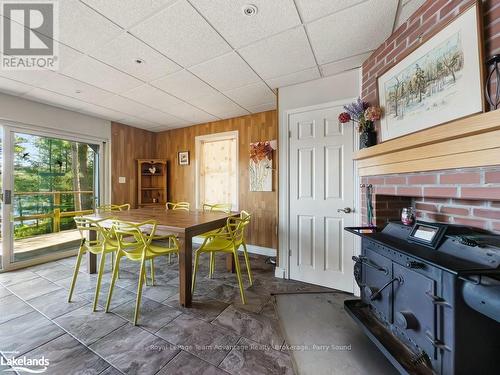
(152, 264)
(139, 291)
(247, 262)
(169, 258)
(211, 265)
(238, 274)
(102, 264)
(196, 259)
(116, 269)
(75, 272)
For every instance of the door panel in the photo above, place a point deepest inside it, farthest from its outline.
(321, 182)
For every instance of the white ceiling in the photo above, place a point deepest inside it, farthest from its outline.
(203, 60)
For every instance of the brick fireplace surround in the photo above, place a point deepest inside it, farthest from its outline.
(462, 196)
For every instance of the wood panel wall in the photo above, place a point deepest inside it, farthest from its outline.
(181, 179)
(127, 145)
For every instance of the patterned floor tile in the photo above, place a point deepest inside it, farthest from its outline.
(4, 292)
(33, 288)
(55, 304)
(88, 326)
(133, 350)
(250, 358)
(14, 277)
(201, 307)
(67, 356)
(152, 315)
(12, 307)
(198, 337)
(257, 327)
(56, 272)
(185, 363)
(25, 333)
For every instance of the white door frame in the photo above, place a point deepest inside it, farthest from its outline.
(198, 140)
(283, 268)
(8, 130)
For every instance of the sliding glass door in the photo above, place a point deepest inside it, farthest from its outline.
(47, 181)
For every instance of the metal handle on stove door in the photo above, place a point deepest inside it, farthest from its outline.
(374, 296)
(364, 260)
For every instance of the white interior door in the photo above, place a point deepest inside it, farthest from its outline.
(321, 198)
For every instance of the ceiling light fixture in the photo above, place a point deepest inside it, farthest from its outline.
(250, 10)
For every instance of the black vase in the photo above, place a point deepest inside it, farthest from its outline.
(367, 139)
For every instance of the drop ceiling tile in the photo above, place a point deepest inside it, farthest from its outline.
(122, 53)
(76, 89)
(83, 28)
(138, 122)
(11, 87)
(227, 17)
(183, 85)
(159, 117)
(66, 56)
(263, 107)
(124, 105)
(226, 72)
(216, 104)
(99, 74)
(294, 78)
(164, 102)
(182, 35)
(233, 114)
(54, 99)
(101, 112)
(252, 95)
(336, 37)
(30, 77)
(407, 9)
(133, 12)
(281, 54)
(344, 64)
(314, 9)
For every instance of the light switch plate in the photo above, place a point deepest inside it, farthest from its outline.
(122, 180)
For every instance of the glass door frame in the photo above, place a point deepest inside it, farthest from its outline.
(9, 129)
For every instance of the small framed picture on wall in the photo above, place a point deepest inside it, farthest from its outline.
(183, 157)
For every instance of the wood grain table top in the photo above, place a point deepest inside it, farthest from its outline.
(178, 221)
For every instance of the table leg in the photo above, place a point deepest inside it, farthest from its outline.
(230, 263)
(185, 270)
(91, 258)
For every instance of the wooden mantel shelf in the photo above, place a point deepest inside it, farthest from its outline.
(473, 141)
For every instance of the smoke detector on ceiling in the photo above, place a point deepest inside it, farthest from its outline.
(250, 10)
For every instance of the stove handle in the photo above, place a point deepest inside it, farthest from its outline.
(364, 260)
(374, 296)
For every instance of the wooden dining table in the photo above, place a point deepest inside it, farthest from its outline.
(184, 224)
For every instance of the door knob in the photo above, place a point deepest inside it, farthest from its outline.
(345, 210)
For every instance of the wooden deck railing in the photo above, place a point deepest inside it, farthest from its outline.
(56, 214)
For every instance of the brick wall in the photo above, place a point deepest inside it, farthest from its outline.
(466, 196)
(425, 20)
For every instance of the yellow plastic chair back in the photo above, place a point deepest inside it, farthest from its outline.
(220, 207)
(178, 206)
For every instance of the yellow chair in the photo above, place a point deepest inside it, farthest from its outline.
(100, 246)
(113, 207)
(178, 206)
(226, 241)
(135, 242)
(220, 207)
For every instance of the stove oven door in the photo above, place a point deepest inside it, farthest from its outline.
(377, 273)
(414, 311)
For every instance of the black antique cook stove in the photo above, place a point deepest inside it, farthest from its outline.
(430, 297)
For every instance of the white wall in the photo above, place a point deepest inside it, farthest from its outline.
(323, 90)
(47, 117)
(344, 86)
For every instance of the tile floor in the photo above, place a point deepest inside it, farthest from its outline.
(218, 335)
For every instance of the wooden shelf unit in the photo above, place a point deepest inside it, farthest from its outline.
(151, 187)
(473, 141)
